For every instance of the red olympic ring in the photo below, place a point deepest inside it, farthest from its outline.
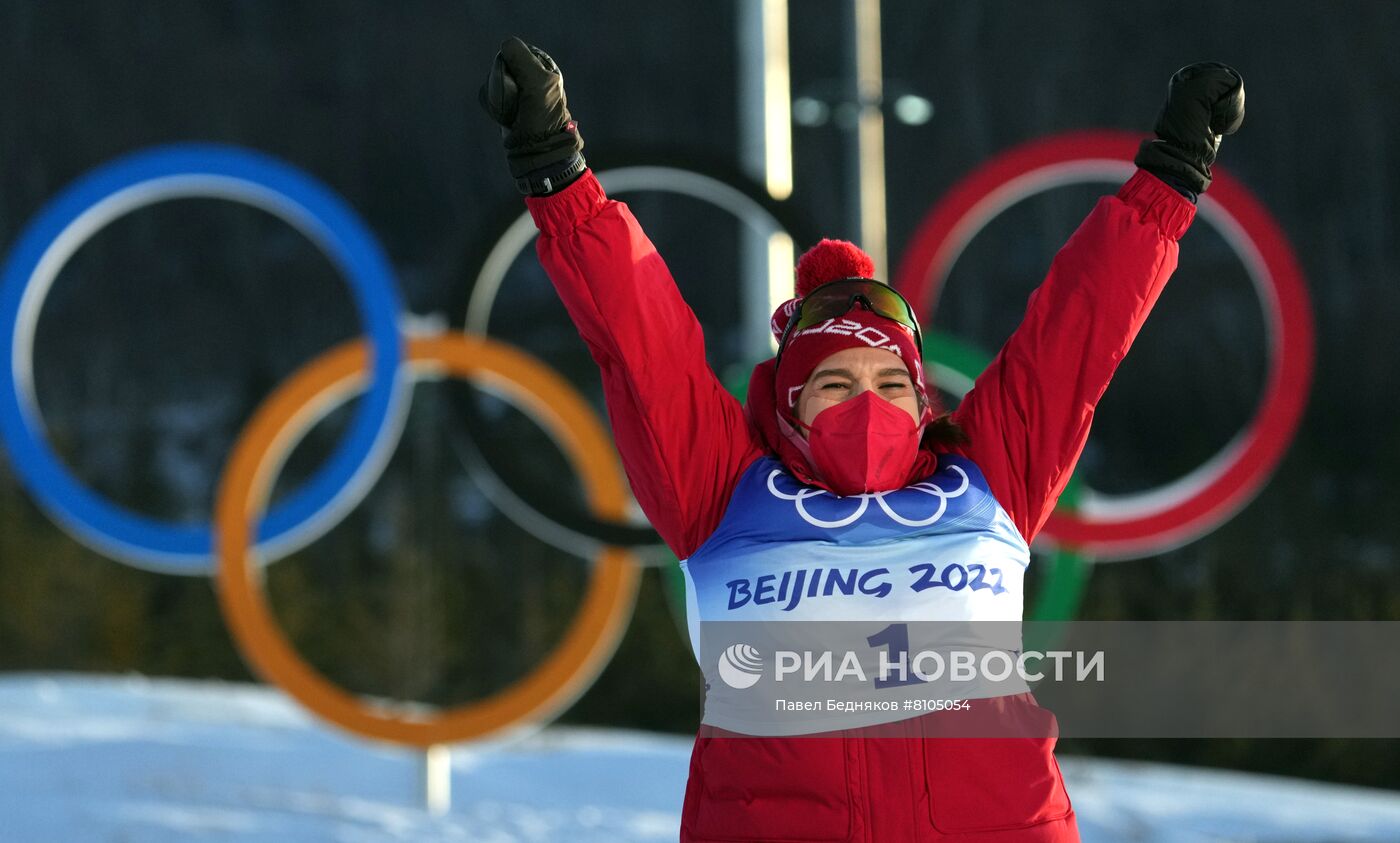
(1208, 496)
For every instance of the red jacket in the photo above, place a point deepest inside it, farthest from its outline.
(685, 442)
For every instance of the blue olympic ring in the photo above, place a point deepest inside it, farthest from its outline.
(205, 171)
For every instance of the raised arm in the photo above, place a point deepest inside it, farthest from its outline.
(1028, 414)
(684, 440)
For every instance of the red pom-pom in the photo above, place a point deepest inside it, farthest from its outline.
(831, 260)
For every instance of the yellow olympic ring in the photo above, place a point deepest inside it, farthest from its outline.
(257, 458)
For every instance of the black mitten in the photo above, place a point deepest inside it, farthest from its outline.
(1204, 102)
(525, 94)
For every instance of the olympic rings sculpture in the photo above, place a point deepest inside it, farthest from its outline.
(385, 363)
(566, 531)
(239, 175)
(294, 408)
(1179, 512)
(157, 175)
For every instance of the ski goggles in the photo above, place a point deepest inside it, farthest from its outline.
(835, 299)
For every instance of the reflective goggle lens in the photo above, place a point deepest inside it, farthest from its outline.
(835, 299)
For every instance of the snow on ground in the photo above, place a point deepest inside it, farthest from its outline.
(136, 760)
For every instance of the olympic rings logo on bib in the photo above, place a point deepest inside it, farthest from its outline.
(927, 487)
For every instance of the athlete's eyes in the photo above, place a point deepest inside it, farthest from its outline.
(833, 385)
(895, 385)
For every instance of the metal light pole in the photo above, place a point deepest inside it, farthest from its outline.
(765, 149)
(437, 779)
(866, 170)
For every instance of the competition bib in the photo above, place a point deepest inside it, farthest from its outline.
(941, 549)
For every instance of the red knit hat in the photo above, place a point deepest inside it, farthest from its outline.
(835, 260)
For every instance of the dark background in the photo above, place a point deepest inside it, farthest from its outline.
(169, 326)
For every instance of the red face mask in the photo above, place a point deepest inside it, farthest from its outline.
(863, 444)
